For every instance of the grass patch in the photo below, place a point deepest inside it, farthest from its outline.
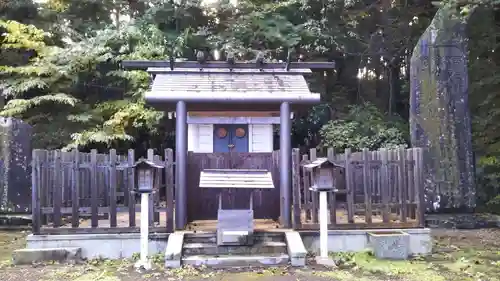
(458, 256)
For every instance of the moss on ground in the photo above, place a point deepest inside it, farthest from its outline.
(458, 256)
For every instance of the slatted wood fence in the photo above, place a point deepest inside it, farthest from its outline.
(75, 192)
(377, 189)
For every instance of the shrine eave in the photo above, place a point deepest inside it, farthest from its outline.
(231, 101)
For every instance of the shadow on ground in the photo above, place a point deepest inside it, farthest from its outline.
(459, 255)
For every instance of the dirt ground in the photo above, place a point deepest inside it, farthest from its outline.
(459, 255)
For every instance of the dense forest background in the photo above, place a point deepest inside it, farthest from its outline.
(59, 68)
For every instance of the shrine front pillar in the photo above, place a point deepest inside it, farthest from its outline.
(181, 165)
(285, 165)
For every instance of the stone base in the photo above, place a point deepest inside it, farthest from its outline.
(325, 261)
(30, 256)
(420, 240)
(236, 261)
(109, 246)
(173, 253)
(296, 249)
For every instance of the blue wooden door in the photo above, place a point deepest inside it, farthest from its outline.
(231, 138)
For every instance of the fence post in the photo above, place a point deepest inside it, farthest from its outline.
(332, 195)
(156, 195)
(403, 183)
(384, 186)
(94, 191)
(131, 187)
(57, 185)
(305, 188)
(112, 187)
(366, 185)
(75, 190)
(349, 185)
(169, 186)
(151, 157)
(296, 187)
(412, 208)
(314, 195)
(419, 185)
(35, 192)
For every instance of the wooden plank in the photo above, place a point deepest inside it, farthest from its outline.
(349, 185)
(101, 210)
(94, 190)
(113, 185)
(44, 184)
(305, 190)
(411, 186)
(157, 184)
(296, 187)
(234, 113)
(419, 185)
(169, 187)
(236, 172)
(57, 187)
(403, 186)
(234, 185)
(100, 230)
(151, 217)
(314, 195)
(385, 185)
(75, 189)
(235, 176)
(131, 188)
(332, 197)
(366, 185)
(35, 192)
(260, 179)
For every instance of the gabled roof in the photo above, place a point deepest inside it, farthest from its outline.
(319, 162)
(237, 89)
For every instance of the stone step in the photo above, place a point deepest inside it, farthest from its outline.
(212, 237)
(30, 256)
(270, 247)
(236, 260)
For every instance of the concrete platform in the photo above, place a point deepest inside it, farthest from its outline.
(420, 240)
(116, 246)
(30, 256)
(109, 246)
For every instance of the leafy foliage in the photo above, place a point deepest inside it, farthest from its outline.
(363, 127)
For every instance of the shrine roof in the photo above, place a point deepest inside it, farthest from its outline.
(236, 89)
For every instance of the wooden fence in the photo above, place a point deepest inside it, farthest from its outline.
(76, 192)
(70, 186)
(377, 189)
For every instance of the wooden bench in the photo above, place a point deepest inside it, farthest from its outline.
(235, 226)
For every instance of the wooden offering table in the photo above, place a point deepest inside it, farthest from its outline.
(235, 226)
